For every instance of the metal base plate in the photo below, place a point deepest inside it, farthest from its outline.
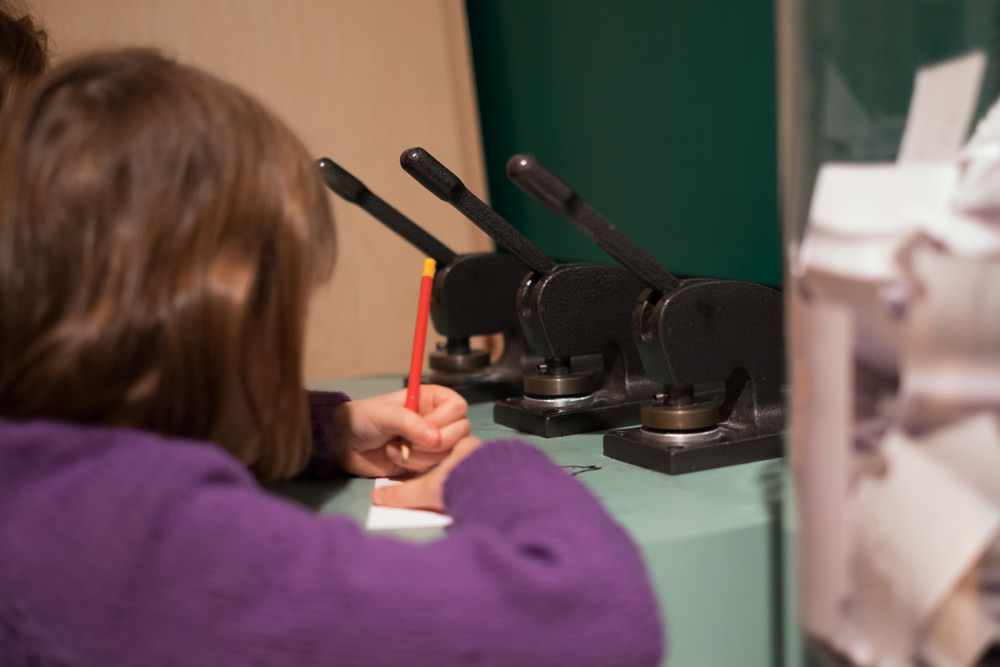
(724, 446)
(586, 415)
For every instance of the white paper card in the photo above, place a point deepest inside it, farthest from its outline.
(395, 518)
(921, 528)
(878, 199)
(944, 99)
(861, 215)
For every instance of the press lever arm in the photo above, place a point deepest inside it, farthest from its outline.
(353, 190)
(557, 196)
(434, 176)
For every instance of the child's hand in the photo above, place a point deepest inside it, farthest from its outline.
(427, 491)
(366, 433)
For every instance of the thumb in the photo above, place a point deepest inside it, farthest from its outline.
(421, 493)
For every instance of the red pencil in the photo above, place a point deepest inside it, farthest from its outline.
(419, 341)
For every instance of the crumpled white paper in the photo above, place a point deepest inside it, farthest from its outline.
(895, 334)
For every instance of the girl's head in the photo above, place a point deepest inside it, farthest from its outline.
(159, 235)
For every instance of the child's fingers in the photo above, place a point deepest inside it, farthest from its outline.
(447, 414)
(442, 405)
(418, 460)
(447, 438)
(426, 491)
(421, 493)
(395, 420)
(453, 433)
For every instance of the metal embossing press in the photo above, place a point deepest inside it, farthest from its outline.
(575, 316)
(714, 346)
(473, 295)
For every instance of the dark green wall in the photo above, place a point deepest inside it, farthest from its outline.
(660, 113)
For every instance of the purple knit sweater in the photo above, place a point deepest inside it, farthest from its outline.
(121, 547)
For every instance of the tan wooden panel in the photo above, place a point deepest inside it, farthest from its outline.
(359, 81)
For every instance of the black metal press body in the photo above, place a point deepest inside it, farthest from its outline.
(714, 346)
(473, 295)
(575, 316)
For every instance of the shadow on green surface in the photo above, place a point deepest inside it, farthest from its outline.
(314, 494)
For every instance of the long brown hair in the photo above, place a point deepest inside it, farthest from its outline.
(159, 234)
(23, 51)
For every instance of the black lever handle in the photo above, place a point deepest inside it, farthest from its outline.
(557, 196)
(437, 178)
(353, 190)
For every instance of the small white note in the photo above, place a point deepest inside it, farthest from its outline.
(941, 108)
(395, 518)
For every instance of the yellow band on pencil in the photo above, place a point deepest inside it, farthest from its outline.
(429, 265)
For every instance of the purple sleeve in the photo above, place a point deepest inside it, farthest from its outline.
(321, 407)
(204, 568)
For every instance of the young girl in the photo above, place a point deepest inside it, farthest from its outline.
(159, 235)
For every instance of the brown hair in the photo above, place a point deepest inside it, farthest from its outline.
(159, 234)
(23, 52)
